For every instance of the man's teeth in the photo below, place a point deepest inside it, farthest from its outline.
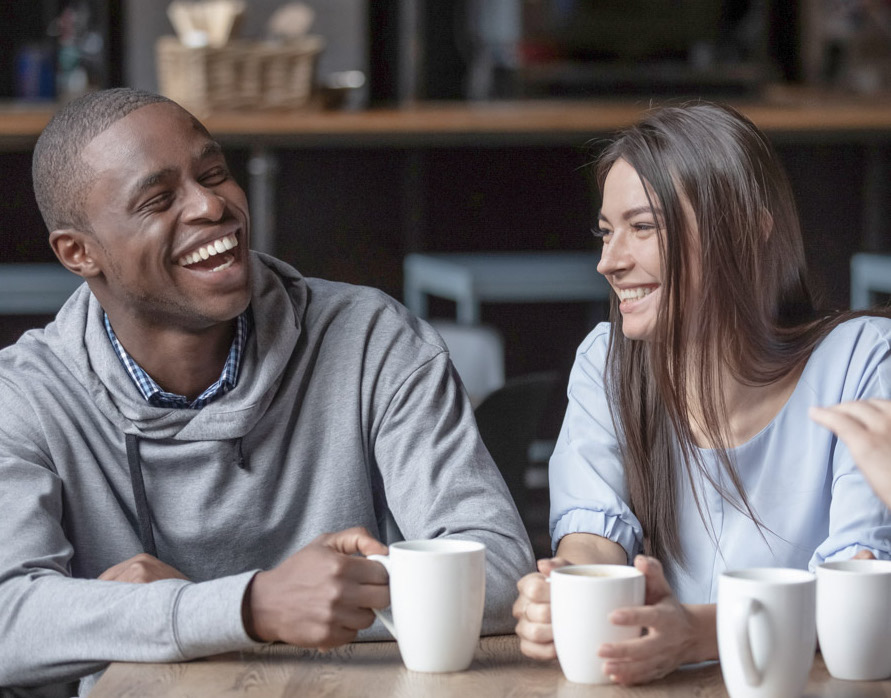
(225, 265)
(633, 294)
(224, 244)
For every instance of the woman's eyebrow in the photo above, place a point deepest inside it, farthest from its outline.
(632, 212)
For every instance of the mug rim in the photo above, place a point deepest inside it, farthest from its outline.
(437, 546)
(614, 571)
(859, 567)
(787, 576)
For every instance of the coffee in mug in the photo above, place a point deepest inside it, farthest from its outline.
(854, 618)
(582, 598)
(437, 596)
(767, 634)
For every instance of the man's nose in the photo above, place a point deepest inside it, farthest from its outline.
(204, 203)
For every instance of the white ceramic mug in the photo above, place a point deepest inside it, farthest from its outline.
(582, 598)
(437, 596)
(854, 618)
(767, 634)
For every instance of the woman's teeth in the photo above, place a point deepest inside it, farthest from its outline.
(216, 247)
(633, 294)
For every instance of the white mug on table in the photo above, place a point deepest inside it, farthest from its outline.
(854, 618)
(767, 634)
(582, 598)
(437, 596)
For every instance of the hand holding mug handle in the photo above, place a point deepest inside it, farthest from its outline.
(746, 610)
(386, 617)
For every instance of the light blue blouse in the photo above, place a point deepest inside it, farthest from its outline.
(800, 480)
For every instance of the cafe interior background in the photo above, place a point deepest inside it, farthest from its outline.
(352, 207)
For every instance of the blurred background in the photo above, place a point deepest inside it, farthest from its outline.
(348, 202)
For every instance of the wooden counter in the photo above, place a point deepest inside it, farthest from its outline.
(783, 112)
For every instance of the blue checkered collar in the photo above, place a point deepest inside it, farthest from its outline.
(153, 393)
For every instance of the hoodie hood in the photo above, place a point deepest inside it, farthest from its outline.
(278, 302)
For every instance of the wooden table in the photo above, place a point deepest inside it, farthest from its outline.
(375, 669)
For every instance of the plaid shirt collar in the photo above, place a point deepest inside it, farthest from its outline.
(153, 393)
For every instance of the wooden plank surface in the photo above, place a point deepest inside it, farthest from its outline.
(374, 670)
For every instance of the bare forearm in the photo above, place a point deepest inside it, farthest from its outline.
(586, 549)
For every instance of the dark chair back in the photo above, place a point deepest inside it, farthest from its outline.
(508, 420)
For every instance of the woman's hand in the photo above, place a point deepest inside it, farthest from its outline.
(675, 634)
(532, 609)
(865, 428)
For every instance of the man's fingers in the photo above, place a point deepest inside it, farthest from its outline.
(365, 571)
(355, 619)
(368, 596)
(354, 540)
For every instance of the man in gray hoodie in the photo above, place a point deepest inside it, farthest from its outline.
(199, 450)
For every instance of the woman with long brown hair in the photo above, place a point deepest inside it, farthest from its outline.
(686, 448)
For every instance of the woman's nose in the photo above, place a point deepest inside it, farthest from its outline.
(614, 255)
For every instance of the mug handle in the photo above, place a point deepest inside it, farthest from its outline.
(385, 617)
(745, 610)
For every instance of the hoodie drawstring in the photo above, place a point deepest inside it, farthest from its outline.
(142, 507)
(239, 455)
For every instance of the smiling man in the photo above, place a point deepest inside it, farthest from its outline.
(198, 452)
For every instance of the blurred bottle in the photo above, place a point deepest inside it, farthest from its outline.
(35, 72)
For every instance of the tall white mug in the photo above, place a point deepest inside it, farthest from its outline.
(582, 598)
(437, 596)
(854, 618)
(767, 634)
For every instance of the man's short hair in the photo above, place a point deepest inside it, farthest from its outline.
(60, 176)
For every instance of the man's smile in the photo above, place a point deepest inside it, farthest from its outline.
(204, 253)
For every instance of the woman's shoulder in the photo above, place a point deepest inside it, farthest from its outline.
(863, 333)
(597, 340)
(851, 351)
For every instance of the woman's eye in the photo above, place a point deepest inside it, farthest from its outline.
(600, 233)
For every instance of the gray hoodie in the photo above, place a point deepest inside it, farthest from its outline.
(347, 413)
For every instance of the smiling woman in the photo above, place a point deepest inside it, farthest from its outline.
(686, 446)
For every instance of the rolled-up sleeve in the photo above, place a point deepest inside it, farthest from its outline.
(589, 492)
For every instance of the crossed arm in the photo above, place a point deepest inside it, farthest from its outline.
(320, 596)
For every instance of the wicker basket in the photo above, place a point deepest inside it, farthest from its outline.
(241, 75)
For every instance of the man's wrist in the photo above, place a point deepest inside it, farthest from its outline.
(247, 616)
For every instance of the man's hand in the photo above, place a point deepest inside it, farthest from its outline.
(141, 569)
(322, 595)
(675, 633)
(532, 609)
(865, 428)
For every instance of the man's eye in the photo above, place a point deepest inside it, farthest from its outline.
(215, 177)
(600, 233)
(158, 202)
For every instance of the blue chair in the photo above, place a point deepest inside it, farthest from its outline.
(870, 274)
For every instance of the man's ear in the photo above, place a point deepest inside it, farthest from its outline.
(75, 250)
